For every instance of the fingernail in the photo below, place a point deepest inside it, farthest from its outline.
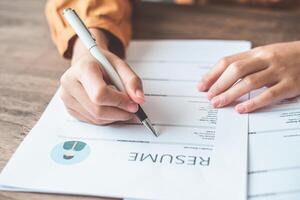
(215, 102)
(240, 108)
(139, 94)
(132, 107)
(201, 86)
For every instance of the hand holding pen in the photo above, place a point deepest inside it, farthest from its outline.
(87, 86)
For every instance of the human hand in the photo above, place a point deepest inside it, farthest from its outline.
(86, 90)
(275, 66)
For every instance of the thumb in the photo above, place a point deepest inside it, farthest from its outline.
(133, 84)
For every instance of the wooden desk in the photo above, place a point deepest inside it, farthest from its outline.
(30, 66)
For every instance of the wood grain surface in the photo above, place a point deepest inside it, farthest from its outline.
(30, 66)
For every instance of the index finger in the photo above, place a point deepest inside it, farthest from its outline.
(99, 93)
(133, 84)
(269, 96)
(212, 76)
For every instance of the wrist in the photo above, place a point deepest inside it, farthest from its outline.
(101, 38)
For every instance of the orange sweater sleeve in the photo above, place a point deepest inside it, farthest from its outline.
(113, 16)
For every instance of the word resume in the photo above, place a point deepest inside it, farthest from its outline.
(201, 152)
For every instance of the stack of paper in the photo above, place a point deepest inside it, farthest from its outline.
(200, 154)
(274, 139)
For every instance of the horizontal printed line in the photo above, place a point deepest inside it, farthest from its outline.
(273, 131)
(163, 79)
(274, 170)
(199, 62)
(171, 95)
(276, 110)
(138, 141)
(174, 125)
(263, 195)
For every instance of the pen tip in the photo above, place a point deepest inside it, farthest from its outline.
(153, 131)
(148, 124)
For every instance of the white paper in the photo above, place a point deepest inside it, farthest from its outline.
(274, 140)
(200, 154)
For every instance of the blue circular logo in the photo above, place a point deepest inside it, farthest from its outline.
(70, 152)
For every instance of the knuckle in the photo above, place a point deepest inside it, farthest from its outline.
(237, 68)
(224, 62)
(266, 54)
(214, 89)
(100, 95)
(270, 54)
(224, 99)
(136, 80)
(120, 102)
(249, 81)
(85, 66)
(272, 93)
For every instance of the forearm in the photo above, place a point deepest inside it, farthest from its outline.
(111, 16)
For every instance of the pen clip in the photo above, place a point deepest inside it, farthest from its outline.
(81, 22)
